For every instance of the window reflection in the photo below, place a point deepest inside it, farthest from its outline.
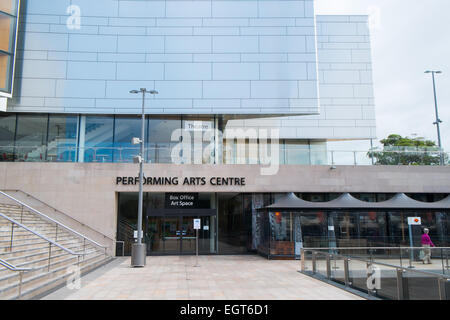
(62, 138)
(31, 137)
(99, 139)
(125, 129)
(159, 138)
(8, 23)
(7, 133)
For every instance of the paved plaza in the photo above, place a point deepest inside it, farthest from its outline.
(217, 277)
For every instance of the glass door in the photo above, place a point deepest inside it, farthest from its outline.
(176, 235)
(188, 235)
(172, 235)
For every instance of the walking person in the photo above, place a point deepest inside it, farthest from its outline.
(426, 245)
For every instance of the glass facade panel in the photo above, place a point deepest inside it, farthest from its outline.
(8, 23)
(125, 129)
(159, 138)
(62, 138)
(200, 129)
(31, 137)
(9, 6)
(99, 139)
(297, 152)
(232, 228)
(5, 74)
(7, 134)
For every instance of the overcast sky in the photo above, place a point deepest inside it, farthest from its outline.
(408, 37)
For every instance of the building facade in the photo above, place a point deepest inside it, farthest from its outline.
(253, 98)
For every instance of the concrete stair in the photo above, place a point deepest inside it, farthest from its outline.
(30, 251)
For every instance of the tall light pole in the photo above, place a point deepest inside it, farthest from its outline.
(138, 250)
(438, 121)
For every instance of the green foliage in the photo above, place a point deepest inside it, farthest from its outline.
(398, 150)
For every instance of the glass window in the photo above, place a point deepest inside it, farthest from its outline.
(126, 128)
(200, 128)
(8, 22)
(282, 227)
(159, 138)
(9, 6)
(347, 229)
(99, 139)
(232, 230)
(373, 228)
(314, 229)
(62, 138)
(297, 152)
(7, 133)
(31, 137)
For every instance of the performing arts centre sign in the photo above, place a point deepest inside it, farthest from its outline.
(185, 181)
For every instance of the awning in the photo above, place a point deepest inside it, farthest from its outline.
(347, 201)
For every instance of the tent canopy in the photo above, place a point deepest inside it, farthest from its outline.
(347, 201)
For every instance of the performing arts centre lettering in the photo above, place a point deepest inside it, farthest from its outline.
(187, 181)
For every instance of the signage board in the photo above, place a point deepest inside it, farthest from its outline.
(414, 221)
(198, 125)
(181, 200)
(197, 224)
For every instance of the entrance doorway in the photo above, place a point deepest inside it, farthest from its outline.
(175, 234)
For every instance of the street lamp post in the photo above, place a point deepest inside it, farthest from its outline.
(138, 250)
(438, 121)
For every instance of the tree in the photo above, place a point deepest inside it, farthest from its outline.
(398, 150)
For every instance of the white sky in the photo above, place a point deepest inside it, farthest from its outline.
(408, 37)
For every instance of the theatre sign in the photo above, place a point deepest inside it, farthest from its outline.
(185, 181)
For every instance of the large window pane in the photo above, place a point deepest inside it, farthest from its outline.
(7, 132)
(9, 6)
(5, 74)
(126, 128)
(8, 22)
(62, 138)
(198, 128)
(99, 139)
(232, 229)
(297, 152)
(31, 138)
(7, 32)
(159, 138)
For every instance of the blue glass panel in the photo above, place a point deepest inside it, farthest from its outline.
(31, 137)
(62, 138)
(126, 128)
(99, 139)
(159, 138)
(7, 132)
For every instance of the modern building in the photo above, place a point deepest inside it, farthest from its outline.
(256, 99)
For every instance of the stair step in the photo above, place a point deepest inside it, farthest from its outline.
(31, 251)
(45, 281)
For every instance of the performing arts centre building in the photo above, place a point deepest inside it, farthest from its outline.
(259, 120)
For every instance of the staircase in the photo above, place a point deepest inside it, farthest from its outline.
(27, 241)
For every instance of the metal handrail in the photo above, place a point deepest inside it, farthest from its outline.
(382, 264)
(54, 221)
(14, 268)
(9, 266)
(40, 236)
(64, 214)
(359, 248)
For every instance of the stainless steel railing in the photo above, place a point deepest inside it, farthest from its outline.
(16, 269)
(288, 155)
(59, 212)
(58, 224)
(50, 242)
(375, 278)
